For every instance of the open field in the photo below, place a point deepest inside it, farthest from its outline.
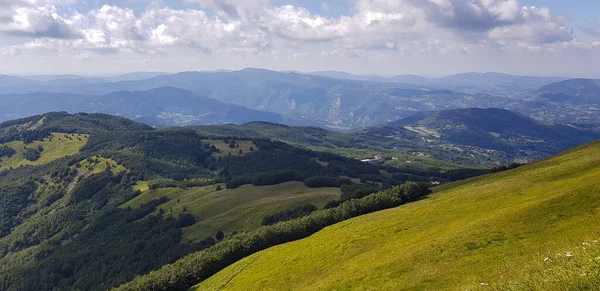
(225, 150)
(240, 209)
(533, 228)
(60, 146)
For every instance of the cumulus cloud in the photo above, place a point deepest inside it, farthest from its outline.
(257, 26)
(35, 18)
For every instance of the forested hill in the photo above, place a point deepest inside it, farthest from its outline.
(490, 130)
(89, 201)
(472, 136)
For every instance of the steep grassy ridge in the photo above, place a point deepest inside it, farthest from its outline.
(533, 228)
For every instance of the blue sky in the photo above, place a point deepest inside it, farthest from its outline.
(576, 11)
(534, 37)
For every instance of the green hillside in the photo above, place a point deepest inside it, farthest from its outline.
(56, 146)
(230, 210)
(100, 199)
(532, 228)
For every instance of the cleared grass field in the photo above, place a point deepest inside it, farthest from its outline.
(533, 228)
(240, 209)
(60, 146)
(225, 150)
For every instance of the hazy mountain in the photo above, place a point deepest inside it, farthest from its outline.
(412, 79)
(45, 78)
(494, 83)
(576, 91)
(309, 99)
(491, 83)
(10, 81)
(334, 103)
(161, 106)
(172, 106)
(347, 76)
(489, 129)
(134, 76)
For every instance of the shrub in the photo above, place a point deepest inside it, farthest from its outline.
(6, 151)
(31, 154)
(185, 220)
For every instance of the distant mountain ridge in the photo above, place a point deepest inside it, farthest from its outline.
(490, 82)
(578, 91)
(332, 100)
(164, 106)
(491, 129)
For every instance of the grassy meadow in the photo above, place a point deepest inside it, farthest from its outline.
(225, 150)
(60, 145)
(533, 228)
(240, 209)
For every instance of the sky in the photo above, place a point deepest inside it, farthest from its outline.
(382, 37)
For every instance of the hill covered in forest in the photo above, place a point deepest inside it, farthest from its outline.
(487, 131)
(90, 201)
(472, 136)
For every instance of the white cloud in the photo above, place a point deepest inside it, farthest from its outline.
(35, 18)
(256, 27)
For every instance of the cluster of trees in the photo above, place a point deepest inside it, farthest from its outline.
(420, 175)
(14, 199)
(31, 154)
(278, 162)
(198, 266)
(6, 151)
(103, 240)
(265, 178)
(187, 183)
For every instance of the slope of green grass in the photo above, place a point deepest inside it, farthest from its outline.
(60, 146)
(240, 209)
(532, 228)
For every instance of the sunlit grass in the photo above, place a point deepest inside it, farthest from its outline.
(60, 146)
(491, 232)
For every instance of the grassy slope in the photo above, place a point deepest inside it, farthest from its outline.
(240, 209)
(53, 150)
(494, 230)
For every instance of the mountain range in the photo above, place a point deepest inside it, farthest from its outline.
(345, 102)
(490, 82)
(160, 107)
